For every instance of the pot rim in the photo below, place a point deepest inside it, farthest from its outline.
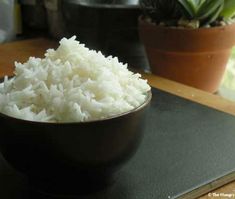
(142, 21)
(200, 40)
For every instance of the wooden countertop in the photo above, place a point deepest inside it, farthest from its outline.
(21, 50)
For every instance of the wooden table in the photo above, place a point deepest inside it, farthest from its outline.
(21, 50)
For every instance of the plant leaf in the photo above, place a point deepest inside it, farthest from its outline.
(194, 4)
(229, 9)
(215, 15)
(209, 8)
(188, 6)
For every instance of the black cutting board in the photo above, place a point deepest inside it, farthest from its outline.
(188, 149)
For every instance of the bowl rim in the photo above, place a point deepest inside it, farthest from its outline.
(141, 106)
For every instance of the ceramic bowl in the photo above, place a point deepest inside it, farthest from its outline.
(84, 152)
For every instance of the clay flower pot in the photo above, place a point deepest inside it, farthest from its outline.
(196, 57)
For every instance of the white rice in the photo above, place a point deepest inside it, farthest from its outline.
(71, 84)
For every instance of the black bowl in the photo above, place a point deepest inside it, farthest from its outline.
(53, 155)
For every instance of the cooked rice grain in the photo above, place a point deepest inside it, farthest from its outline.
(71, 84)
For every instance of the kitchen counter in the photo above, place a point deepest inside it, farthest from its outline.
(21, 50)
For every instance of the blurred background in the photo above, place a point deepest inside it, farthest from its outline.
(106, 25)
(110, 26)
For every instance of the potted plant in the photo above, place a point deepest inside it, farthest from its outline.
(188, 41)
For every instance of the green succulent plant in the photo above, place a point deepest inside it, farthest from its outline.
(202, 12)
(205, 11)
(229, 9)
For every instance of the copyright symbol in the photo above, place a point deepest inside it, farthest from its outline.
(209, 194)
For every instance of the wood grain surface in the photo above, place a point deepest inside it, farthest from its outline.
(20, 51)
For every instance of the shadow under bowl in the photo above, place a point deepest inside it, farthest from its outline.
(80, 154)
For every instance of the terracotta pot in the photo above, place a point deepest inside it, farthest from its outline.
(196, 57)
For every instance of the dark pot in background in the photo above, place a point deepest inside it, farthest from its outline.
(66, 157)
(106, 25)
(110, 26)
(34, 14)
(196, 57)
(100, 25)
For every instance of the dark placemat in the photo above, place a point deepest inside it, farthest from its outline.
(186, 147)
